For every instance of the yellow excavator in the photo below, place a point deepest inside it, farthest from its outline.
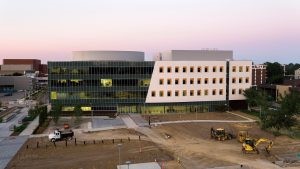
(220, 134)
(250, 145)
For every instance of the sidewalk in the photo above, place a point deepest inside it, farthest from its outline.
(31, 127)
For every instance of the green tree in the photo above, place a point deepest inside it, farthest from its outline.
(56, 112)
(284, 117)
(78, 114)
(274, 73)
(251, 95)
(43, 114)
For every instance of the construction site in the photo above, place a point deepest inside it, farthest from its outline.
(174, 141)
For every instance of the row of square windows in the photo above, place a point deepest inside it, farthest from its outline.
(206, 81)
(206, 69)
(192, 92)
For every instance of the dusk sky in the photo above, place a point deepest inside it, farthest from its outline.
(258, 30)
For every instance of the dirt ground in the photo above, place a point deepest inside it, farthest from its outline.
(192, 116)
(90, 156)
(189, 143)
(192, 142)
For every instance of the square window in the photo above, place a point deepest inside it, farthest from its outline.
(169, 69)
(153, 93)
(221, 69)
(169, 81)
(161, 93)
(233, 80)
(247, 68)
(233, 91)
(183, 81)
(161, 81)
(214, 69)
(169, 93)
(206, 92)
(206, 69)
(176, 69)
(206, 80)
(221, 92)
(176, 81)
(192, 81)
(221, 80)
(240, 80)
(240, 91)
(184, 69)
(214, 80)
(214, 92)
(161, 69)
(199, 92)
(199, 81)
(233, 68)
(241, 69)
(176, 93)
(184, 93)
(191, 69)
(191, 92)
(199, 69)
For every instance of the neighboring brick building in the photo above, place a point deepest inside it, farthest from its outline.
(11, 66)
(259, 73)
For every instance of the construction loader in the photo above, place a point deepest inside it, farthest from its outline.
(220, 134)
(242, 135)
(250, 145)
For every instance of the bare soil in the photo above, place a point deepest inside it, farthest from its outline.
(89, 155)
(192, 142)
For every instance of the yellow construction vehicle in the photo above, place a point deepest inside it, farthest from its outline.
(250, 145)
(242, 135)
(220, 134)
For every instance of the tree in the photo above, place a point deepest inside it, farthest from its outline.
(256, 97)
(275, 73)
(43, 114)
(55, 112)
(251, 95)
(284, 117)
(78, 114)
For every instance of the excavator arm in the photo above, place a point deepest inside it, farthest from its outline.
(268, 147)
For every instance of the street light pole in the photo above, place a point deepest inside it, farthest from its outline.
(119, 148)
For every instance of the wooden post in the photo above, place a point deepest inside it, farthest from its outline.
(54, 144)
(129, 139)
(84, 142)
(37, 144)
(102, 141)
(113, 140)
(139, 137)
(75, 142)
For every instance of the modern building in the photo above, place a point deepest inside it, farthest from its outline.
(183, 81)
(259, 73)
(297, 74)
(10, 84)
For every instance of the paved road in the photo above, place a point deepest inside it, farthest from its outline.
(247, 120)
(4, 127)
(9, 148)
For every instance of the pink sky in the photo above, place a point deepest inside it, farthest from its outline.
(258, 30)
